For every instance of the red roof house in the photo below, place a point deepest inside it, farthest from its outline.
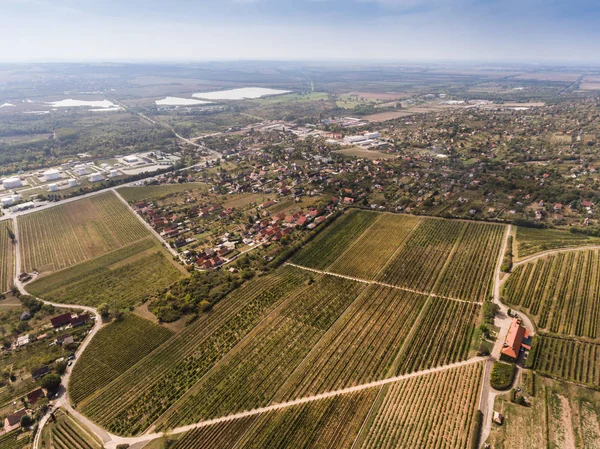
(514, 340)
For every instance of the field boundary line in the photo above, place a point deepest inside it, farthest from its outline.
(258, 411)
(555, 251)
(383, 284)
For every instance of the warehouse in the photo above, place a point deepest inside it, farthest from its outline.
(11, 183)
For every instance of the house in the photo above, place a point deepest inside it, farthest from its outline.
(517, 339)
(79, 320)
(23, 340)
(65, 340)
(35, 396)
(558, 207)
(26, 315)
(348, 200)
(498, 418)
(40, 372)
(61, 320)
(13, 421)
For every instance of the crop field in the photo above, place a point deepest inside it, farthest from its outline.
(10, 441)
(151, 192)
(361, 347)
(469, 273)
(418, 263)
(69, 434)
(331, 242)
(531, 241)
(115, 349)
(6, 257)
(331, 423)
(375, 246)
(65, 235)
(569, 359)
(253, 373)
(130, 403)
(560, 416)
(561, 291)
(126, 275)
(435, 410)
(443, 336)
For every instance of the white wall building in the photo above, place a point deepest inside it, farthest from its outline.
(11, 183)
(72, 182)
(51, 175)
(131, 159)
(80, 170)
(114, 173)
(95, 177)
(53, 187)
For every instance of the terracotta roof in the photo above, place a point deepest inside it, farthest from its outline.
(514, 339)
(15, 418)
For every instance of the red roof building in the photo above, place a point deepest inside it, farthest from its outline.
(61, 320)
(514, 340)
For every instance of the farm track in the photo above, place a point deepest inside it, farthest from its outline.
(111, 441)
(383, 284)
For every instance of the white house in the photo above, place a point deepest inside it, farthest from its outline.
(11, 183)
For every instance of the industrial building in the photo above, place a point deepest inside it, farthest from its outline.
(95, 177)
(131, 159)
(51, 175)
(11, 183)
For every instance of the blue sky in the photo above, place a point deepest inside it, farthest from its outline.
(412, 30)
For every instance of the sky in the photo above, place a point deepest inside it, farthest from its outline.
(535, 31)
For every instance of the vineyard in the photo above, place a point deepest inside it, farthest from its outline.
(130, 403)
(569, 359)
(150, 192)
(10, 441)
(376, 245)
(253, 372)
(361, 347)
(418, 263)
(113, 350)
(6, 257)
(125, 275)
(331, 242)
(531, 240)
(434, 410)
(442, 337)
(470, 270)
(325, 424)
(69, 434)
(71, 233)
(562, 292)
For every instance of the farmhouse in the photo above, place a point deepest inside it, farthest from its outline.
(35, 396)
(517, 338)
(13, 421)
(61, 320)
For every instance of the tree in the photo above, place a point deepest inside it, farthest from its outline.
(61, 367)
(51, 382)
(26, 421)
(104, 310)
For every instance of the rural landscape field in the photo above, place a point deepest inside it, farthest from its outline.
(315, 252)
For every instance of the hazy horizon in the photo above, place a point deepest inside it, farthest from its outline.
(303, 30)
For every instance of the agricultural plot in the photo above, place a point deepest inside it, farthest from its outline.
(252, 374)
(561, 291)
(441, 337)
(531, 241)
(560, 416)
(435, 410)
(70, 434)
(11, 440)
(418, 263)
(332, 241)
(6, 257)
(569, 359)
(375, 246)
(151, 192)
(331, 423)
(360, 347)
(126, 276)
(470, 270)
(140, 395)
(65, 235)
(115, 349)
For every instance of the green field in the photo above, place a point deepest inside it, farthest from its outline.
(531, 240)
(124, 276)
(115, 349)
(152, 192)
(560, 291)
(71, 233)
(12, 440)
(6, 257)
(67, 433)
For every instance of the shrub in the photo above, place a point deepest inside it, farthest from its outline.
(476, 429)
(502, 375)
